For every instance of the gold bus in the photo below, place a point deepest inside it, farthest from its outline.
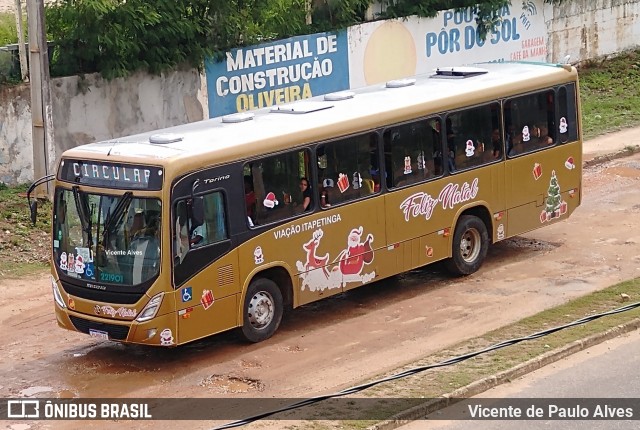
(169, 236)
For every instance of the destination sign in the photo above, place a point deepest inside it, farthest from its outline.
(111, 175)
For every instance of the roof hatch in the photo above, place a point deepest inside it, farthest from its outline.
(164, 138)
(458, 72)
(301, 107)
(399, 83)
(238, 117)
(342, 95)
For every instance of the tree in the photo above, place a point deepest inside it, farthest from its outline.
(117, 37)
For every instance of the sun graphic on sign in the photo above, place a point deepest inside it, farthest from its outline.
(390, 54)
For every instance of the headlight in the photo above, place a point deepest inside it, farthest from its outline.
(151, 309)
(56, 294)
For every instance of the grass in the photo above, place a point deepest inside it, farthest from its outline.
(610, 94)
(24, 248)
(438, 382)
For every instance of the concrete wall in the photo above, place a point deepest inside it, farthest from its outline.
(94, 109)
(91, 109)
(587, 29)
(16, 153)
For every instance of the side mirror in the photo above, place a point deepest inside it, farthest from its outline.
(33, 207)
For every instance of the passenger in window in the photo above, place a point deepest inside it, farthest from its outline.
(436, 139)
(249, 199)
(472, 154)
(496, 144)
(324, 198)
(436, 136)
(136, 225)
(307, 194)
(197, 231)
(149, 225)
(197, 235)
(521, 141)
(541, 133)
(451, 145)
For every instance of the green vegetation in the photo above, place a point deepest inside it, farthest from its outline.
(610, 92)
(9, 35)
(117, 37)
(24, 248)
(8, 32)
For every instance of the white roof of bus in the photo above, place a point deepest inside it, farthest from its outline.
(212, 141)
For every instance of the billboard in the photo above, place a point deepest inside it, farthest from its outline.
(301, 67)
(278, 72)
(384, 50)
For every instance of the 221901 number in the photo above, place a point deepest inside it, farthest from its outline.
(111, 277)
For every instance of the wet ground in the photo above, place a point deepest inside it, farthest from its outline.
(340, 341)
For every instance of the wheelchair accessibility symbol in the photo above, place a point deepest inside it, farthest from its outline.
(186, 294)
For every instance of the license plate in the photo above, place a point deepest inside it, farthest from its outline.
(99, 334)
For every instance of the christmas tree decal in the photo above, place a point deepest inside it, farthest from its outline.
(554, 206)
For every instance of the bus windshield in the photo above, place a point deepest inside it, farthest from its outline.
(105, 238)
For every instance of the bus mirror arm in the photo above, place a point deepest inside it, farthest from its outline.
(193, 188)
(33, 205)
(191, 210)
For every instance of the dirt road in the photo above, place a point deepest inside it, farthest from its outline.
(349, 338)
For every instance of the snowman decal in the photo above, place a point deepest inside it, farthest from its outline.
(526, 136)
(407, 165)
(470, 149)
(63, 261)
(563, 125)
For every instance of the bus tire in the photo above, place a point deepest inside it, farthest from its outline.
(470, 246)
(262, 310)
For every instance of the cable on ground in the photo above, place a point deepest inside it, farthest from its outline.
(416, 370)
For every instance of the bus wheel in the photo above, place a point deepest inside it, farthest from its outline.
(262, 310)
(470, 245)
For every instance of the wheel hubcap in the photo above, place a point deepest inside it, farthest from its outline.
(261, 310)
(470, 245)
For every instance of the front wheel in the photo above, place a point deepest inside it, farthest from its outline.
(262, 310)
(470, 245)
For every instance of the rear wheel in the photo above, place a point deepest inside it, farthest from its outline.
(470, 245)
(262, 310)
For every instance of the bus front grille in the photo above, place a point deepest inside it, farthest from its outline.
(117, 332)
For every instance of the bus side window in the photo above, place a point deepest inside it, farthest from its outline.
(351, 168)
(530, 122)
(215, 218)
(413, 151)
(567, 125)
(199, 222)
(276, 181)
(473, 141)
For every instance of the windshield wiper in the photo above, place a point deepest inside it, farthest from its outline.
(115, 217)
(84, 213)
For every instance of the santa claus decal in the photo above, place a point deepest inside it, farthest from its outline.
(348, 266)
